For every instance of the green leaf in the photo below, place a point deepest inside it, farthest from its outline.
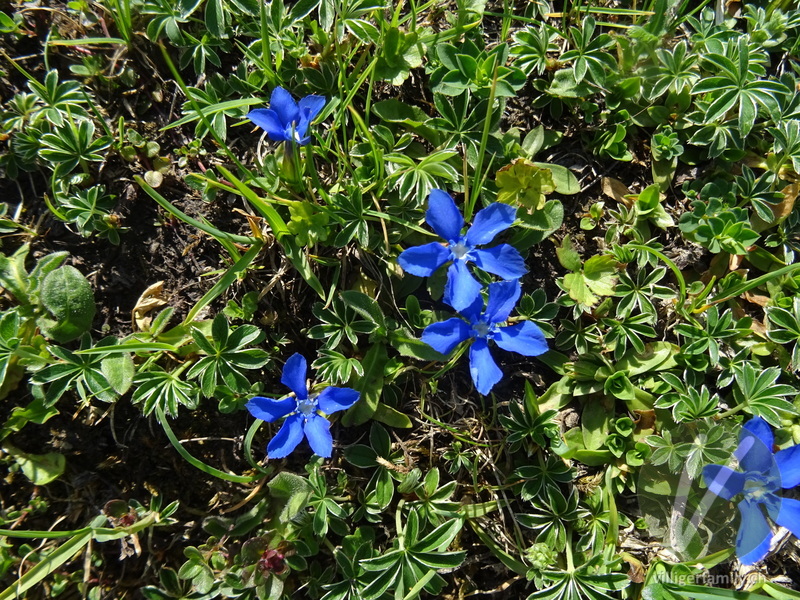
(215, 18)
(600, 274)
(379, 440)
(41, 469)
(440, 560)
(593, 458)
(511, 562)
(524, 184)
(69, 297)
(564, 180)
(363, 30)
(779, 592)
(439, 538)
(533, 228)
(658, 356)
(400, 52)
(578, 290)
(52, 562)
(391, 417)
(302, 9)
(395, 111)
(565, 85)
(35, 412)
(119, 371)
(568, 256)
(361, 456)
(299, 260)
(370, 385)
(366, 307)
(648, 199)
(595, 424)
(7, 24)
(384, 488)
(686, 539)
(413, 347)
(308, 223)
(292, 493)
(761, 395)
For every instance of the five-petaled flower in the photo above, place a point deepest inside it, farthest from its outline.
(764, 473)
(285, 119)
(525, 338)
(302, 411)
(502, 260)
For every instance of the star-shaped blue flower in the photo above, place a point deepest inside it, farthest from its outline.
(763, 474)
(445, 219)
(483, 325)
(286, 120)
(302, 411)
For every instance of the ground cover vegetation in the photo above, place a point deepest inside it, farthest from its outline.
(528, 271)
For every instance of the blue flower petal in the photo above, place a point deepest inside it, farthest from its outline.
(761, 429)
(284, 106)
(287, 438)
(318, 432)
(269, 409)
(461, 288)
(503, 296)
(298, 134)
(474, 311)
(485, 372)
(524, 338)
(269, 121)
(752, 541)
(423, 260)
(489, 222)
(446, 335)
(443, 215)
(723, 482)
(503, 260)
(754, 451)
(310, 107)
(333, 399)
(789, 465)
(786, 513)
(294, 375)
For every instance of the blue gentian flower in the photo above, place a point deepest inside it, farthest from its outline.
(286, 120)
(763, 475)
(483, 325)
(502, 260)
(302, 411)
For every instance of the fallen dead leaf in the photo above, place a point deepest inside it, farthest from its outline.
(783, 209)
(255, 222)
(757, 299)
(614, 188)
(758, 327)
(151, 299)
(645, 419)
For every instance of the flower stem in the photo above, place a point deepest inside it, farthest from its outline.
(730, 412)
(469, 208)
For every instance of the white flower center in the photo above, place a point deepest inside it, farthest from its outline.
(481, 328)
(307, 407)
(756, 488)
(459, 250)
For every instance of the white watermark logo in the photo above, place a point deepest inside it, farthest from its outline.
(677, 507)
